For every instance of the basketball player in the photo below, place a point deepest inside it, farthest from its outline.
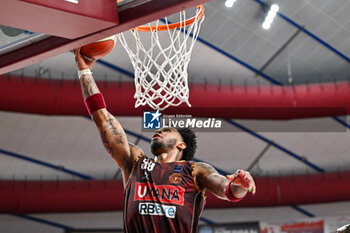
(164, 194)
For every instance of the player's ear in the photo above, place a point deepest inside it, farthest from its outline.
(181, 146)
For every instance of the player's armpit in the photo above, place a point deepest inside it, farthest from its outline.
(208, 178)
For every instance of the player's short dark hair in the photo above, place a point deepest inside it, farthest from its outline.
(190, 138)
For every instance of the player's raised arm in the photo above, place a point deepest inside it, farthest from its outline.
(232, 187)
(111, 132)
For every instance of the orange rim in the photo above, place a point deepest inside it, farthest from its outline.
(173, 25)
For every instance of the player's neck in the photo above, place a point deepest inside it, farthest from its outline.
(169, 157)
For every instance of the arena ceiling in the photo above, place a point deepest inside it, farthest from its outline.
(309, 42)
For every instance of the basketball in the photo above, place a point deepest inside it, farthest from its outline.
(99, 48)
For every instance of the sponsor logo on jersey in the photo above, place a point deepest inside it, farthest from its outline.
(178, 168)
(149, 208)
(175, 178)
(163, 193)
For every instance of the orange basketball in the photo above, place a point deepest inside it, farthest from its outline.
(99, 48)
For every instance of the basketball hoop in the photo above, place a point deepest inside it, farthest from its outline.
(160, 58)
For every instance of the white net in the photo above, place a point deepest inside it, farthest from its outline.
(160, 60)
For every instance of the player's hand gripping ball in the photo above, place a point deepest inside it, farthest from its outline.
(83, 62)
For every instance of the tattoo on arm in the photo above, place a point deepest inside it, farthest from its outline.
(213, 181)
(209, 169)
(105, 142)
(117, 135)
(221, 185)
(88, 86)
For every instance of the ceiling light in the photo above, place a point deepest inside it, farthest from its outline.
(266, 25)
(272, 14)
(269, 17)
(274, 8)
(229, 3)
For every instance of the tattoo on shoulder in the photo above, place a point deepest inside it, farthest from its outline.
(208, 168)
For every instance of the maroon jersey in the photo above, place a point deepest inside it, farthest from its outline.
(162, 197)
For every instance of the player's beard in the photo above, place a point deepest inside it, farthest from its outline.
(158, 147)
